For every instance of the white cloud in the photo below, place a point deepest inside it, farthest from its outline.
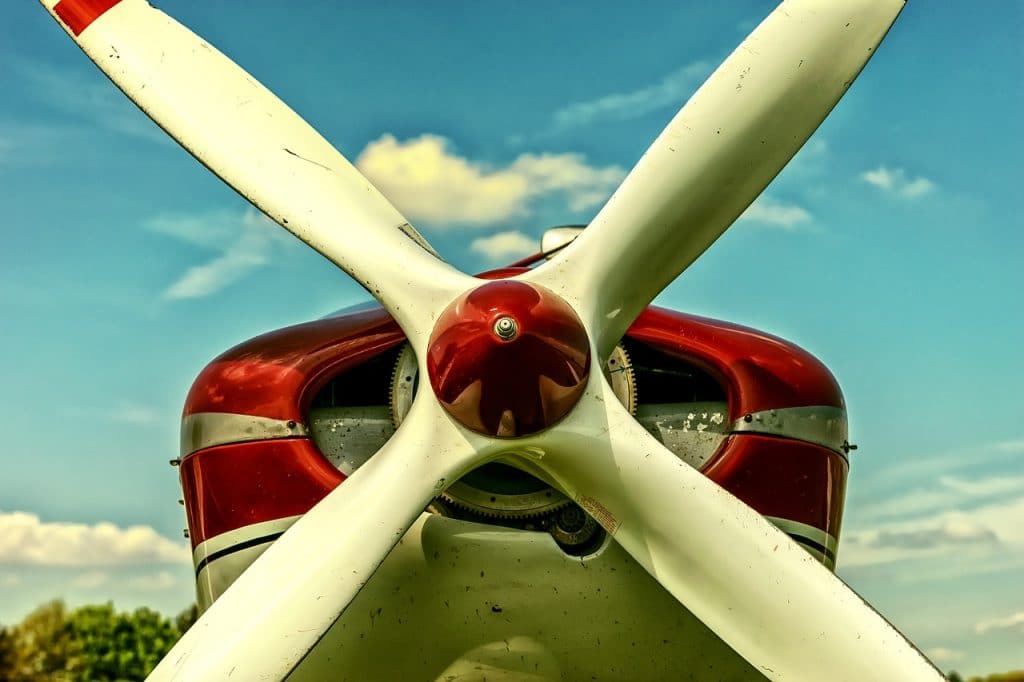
(808, 167)
(505, 246)
(145, 582)
(210, 277)
(568, 174)
(87, 96)
(954, 530)
(26, 540)
(152, 582)
(986, 538)
(1003, 517)
(917, 187)
(946, 492)
(895, 181)
(670, 91)
(30, 143)
(90, 580)
(243, 242)
(941, 654)
(1011, 446)
(771, 213)
(9, 580)
(898, 473)
(992, 486)
(1014, 621)
(211, 230)
(428, 182)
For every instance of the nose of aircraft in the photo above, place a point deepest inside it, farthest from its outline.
(508, 359)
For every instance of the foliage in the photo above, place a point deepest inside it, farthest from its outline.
(90, 643)
(113, 646)
(39, 646)
(184, 620)
(7, 650)
(1012, 676)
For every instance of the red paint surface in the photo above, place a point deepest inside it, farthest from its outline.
(277, 374)
(502, 273)
(509, 387)
(785, 478)
(78, 14)
(759, 371)
(231, 486)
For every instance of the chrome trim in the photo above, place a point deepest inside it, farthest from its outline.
(819, 424)
(557, 238)
(693, 431)
(205, 429)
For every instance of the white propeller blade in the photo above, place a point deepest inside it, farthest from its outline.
(715, 157)
(746, 580)
(264, 150)
(278, 609)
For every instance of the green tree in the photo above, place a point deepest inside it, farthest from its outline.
(38, 647)
(184, 620)
(7, 653)
(92, 643)
(117, 646)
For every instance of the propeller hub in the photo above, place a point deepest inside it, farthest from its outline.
(508, 359)
(506, 328)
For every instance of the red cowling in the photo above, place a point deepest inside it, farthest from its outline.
(277, 374)
(239, 484)
(759, 371)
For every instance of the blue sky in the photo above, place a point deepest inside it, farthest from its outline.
(890, 248)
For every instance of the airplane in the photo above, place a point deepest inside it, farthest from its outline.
(592, 487)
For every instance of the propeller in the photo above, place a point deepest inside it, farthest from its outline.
(509, 362)
(264, 151)
(715, 157)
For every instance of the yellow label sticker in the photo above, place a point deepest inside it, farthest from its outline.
(600, 513)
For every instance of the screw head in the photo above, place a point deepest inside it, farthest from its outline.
(506, 328)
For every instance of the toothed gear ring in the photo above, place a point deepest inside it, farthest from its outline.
(498, 490)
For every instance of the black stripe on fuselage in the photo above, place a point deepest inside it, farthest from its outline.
(236, 548)
(807, 542)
